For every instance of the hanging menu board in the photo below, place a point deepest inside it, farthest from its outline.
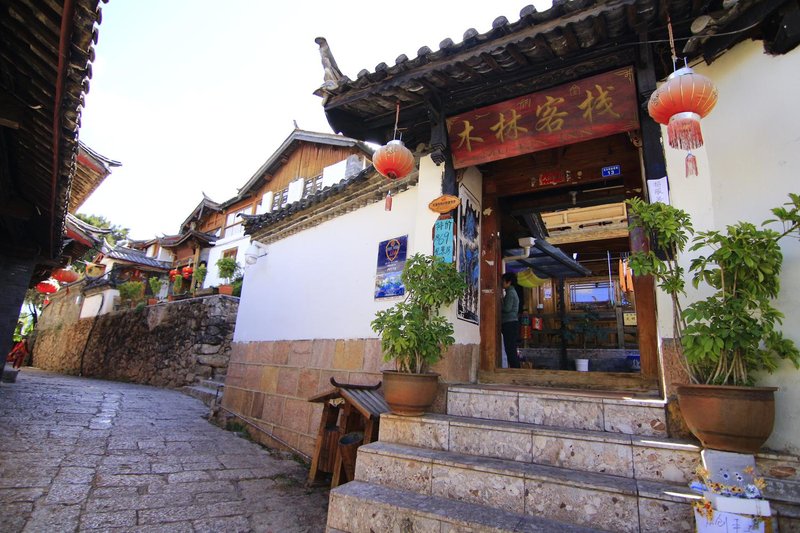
(443, 239)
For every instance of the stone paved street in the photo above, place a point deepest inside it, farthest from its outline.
(79, 454)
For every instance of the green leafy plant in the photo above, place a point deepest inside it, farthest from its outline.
(155, 285)
(732, 333)
(198, 277)
(177, 285)
(583, 327)
(413, 332)
(228, 268)
(131, 291)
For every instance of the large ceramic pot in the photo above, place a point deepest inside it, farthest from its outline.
(409, 394)
(729, 418)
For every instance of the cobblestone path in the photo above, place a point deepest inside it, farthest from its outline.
(79, 454)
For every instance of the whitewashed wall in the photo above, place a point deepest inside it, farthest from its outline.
(241, 242)
(320, 283)
(750, 162)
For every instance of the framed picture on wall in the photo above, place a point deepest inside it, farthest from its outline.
(468, 253)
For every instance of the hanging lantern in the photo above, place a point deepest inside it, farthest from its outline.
(173, 274)
(65, 275)
(679, 104)
(187, 272)
(46, 287)
(393, 160)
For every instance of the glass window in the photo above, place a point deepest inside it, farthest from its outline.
(590, 295)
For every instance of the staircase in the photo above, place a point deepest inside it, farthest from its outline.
(208, 391)
(521, 459)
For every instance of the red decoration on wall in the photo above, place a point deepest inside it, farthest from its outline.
(579, 111)
(187, 272)
(46, 287)
(679, 104)
(393, 160)
(65, 275)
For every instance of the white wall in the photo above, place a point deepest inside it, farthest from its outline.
(320, 283)
(98, 304)
(241, 242)
(750, 162)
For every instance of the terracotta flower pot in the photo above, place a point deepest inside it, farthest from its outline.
(729, 418)
(226, 289)
(409, 394)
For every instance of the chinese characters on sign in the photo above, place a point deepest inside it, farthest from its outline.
(586, 109)
(391, 260)
(443, 238)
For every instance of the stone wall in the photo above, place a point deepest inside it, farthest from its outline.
(166, 345)
(269, 383)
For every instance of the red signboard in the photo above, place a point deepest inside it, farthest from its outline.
(586, 109)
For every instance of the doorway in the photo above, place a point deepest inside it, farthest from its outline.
(561, 225)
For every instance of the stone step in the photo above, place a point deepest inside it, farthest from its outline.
(582, 498)
(212, 383)
(207, 395)
(590, 410)
(358, 507)
(631, 456)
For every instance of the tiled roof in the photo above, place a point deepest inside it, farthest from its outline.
(129, 255)
(540, 50)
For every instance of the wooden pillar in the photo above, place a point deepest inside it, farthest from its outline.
(491, 265)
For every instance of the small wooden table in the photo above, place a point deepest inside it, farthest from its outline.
(348, 408)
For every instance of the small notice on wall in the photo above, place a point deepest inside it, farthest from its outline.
(443, 239)
(658, 190)
(391, 260)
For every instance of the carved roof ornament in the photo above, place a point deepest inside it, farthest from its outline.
(332, 76)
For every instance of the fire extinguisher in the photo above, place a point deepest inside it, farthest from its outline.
(525, 326)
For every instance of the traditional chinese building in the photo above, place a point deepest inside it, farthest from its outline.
(47, 50)
(539, 127)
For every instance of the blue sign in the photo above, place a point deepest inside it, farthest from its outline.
(391, 260)
(443, 239)
(613, 170)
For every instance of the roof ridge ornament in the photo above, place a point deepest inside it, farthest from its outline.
(332, 76)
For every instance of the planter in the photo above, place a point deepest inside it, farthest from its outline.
(152, 301)
(582, 365)
(729, 418)
(409, 394)
(226, 289)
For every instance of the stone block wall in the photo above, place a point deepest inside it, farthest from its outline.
(166, 345)
(269, 383)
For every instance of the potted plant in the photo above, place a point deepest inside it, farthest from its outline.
(177, 288)
(155, 287)
(732, 334)
(228, 268)
(414, 333)
(131, 292)
(198, 277)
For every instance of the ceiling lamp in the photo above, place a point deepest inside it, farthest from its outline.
(65, 275)
(46, 287)
(393, 160)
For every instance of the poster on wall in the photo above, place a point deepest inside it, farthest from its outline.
(391, 260)
(443, 239)
(468, 256)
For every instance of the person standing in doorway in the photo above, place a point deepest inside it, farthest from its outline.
(510, 319)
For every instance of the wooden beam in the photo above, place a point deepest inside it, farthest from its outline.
(17, 208)
(11, 111)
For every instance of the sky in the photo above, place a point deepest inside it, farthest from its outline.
(192, 96)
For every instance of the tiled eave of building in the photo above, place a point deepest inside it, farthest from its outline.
(572, 39)
(362, 189)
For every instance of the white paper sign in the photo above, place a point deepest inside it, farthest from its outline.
(658, 190)
(727, 523)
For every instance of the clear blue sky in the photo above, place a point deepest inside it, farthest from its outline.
(193, 96)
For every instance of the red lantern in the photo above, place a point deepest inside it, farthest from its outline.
(187, 272)
(46, 287)
(679, 104)
(173, 274)
(393, 160)
(65, 275)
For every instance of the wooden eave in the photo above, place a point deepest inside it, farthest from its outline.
(92, 169)
(573, 39)
(46, 53)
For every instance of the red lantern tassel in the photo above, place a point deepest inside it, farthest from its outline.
(684, 131)
(387, 205)
(691, 165)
